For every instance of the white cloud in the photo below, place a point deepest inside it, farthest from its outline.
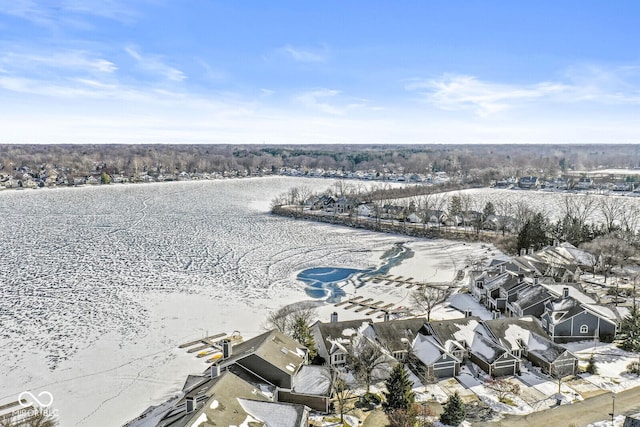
(52, 13)
(317, 100)
(154, 64)
(455, 92)
(300, 54)
(485, 98)
(41, 62)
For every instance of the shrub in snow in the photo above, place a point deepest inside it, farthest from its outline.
(408, 417)
(504, 388)
(634, 367)
(591, 366)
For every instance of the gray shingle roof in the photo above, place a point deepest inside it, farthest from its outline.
(397, 335)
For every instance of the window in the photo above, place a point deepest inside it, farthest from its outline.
(338, 358)
(544, 323)
(584, 329)
(399, 355)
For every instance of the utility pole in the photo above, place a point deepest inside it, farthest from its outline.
(613, 408)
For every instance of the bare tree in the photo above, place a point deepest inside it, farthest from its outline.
(285, 317)
(630, 220)
(611, 209)
(366, 359)
(340, 392)
(611, 250)
(503, 388)
(304, 194)
(34, 418)
(427, 296)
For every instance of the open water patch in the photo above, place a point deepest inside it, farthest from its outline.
(328, 282)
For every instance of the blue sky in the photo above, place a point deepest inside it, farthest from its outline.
(160, 71)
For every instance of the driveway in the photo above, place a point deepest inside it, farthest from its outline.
(580, 413)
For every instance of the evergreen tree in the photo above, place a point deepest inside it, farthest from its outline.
(488, 210)
(455, 205)
(533, 233)
(454, 411)
(301, 332)
(630, 330)
(398, 394)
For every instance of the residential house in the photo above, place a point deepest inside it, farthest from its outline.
(529, 301)
(529, 183)
(324, 201)
(393, 212)
(436, 217)
(471, 218)
(452, 220)
(525, 338)
(312, 388)
(567, 319)
(395, 336)
(272, 356)
(429, 360)
(345, 204)
(365, 209)
(585, 183)
(227, 400)
(499, 223)
(471, 336)
(414, 218)
(333, 339)
(508, 291)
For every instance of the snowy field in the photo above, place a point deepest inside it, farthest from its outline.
(99, 285)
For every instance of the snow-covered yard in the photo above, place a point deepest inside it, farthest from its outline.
(611, 363)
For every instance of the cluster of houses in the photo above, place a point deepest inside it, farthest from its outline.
(433, 218)
(26, 178)
(583, 183)
(546, 285)
(536, 303)
(368, 175)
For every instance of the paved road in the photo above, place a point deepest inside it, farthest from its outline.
(580, 413)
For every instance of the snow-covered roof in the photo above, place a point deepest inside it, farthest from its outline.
(312, 379)
(487, 349)
(427, 349)
(602, 311)
(273, 414)
(574, 292)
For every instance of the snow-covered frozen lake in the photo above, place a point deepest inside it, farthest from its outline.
(99, 285)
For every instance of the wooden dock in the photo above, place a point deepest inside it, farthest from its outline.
(201, 340)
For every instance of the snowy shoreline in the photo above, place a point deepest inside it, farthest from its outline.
(103, 283)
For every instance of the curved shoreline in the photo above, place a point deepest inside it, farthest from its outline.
(404, 228)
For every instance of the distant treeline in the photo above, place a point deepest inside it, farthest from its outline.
(478, 163)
